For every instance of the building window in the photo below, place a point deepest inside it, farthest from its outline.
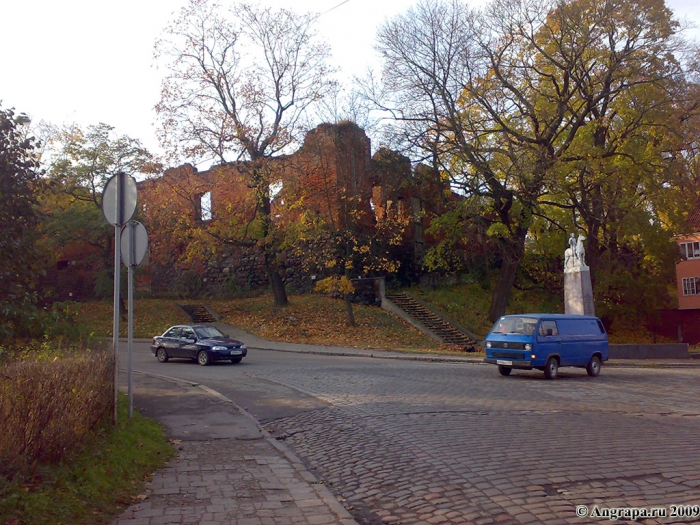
(205, 206)
(691, 285)
(690, 250)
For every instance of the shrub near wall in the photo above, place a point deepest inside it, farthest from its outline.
(49, 407)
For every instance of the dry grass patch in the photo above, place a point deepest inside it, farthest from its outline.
(50, 404)
(317, 319)
(62, 460)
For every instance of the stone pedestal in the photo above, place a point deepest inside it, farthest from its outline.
(578, 292)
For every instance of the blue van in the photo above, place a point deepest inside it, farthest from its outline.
(546, 342)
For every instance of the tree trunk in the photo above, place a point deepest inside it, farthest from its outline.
(513, 253)
(351, 314)
(278, 291)
(263, 193)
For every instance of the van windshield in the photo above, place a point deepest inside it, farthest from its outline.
(514, 324)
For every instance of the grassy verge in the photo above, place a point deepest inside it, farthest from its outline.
(468, 304)
(317, 319)
(151, 317)
(96, 484)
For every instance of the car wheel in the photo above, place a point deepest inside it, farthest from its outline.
(593, 366)
(504, 370)
(236, 360)
(203, 358)
(162, 355)
(551, 369)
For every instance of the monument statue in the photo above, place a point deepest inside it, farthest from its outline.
(578, 293)
(575, 254)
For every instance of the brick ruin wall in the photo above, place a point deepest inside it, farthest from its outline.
(340, 152)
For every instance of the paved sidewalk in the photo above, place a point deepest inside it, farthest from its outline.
(227, 469)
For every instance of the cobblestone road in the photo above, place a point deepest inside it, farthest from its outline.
(405, 442)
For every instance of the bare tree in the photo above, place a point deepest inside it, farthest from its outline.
(496, 99)
(240, 84)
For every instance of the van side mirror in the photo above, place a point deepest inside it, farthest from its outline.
(549, 331)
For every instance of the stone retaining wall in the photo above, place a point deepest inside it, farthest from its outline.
(658, 351)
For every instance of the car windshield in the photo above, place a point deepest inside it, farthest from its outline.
(515, 325)
(207, 332)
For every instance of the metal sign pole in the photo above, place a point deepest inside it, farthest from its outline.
(119, 199)
(117, 267)
(115, 329)
(131, 226)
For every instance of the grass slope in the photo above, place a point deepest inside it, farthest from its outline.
(468, 304)
(151, 317)
(317, 319)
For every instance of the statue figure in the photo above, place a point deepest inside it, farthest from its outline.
(574, 256)
(580, 251)
(570, 254)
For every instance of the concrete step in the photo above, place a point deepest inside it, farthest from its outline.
(443, 329)
(198, 313)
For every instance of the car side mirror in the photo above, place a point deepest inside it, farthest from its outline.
(191, 339)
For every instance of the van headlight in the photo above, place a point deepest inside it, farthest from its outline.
(528, 346)
(488, 344)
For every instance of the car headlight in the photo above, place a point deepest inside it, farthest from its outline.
(488, 344)
(219, 348)
(528, 346)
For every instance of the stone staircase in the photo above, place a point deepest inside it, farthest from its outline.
(443, 329)
(198, 313)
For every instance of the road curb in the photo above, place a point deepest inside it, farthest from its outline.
(402, 357)
(323, 492)
(463, 360)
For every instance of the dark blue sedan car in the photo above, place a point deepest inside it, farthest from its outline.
(200, 343)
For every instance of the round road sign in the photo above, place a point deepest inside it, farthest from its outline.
(119, 199)
(134, 243)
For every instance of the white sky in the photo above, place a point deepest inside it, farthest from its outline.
(91, 61)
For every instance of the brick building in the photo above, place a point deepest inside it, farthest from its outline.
(684, 323)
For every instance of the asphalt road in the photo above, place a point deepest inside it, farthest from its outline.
(413, 442)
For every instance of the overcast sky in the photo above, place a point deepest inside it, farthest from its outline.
(91, 61)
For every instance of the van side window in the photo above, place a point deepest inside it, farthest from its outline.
(548, 328)
(600, 325)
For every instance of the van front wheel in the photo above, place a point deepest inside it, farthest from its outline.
(504, 370)
(551, 369)
(593, 366)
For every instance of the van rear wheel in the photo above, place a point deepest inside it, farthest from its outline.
(551, 369)
(593, 366)
(504, 370)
